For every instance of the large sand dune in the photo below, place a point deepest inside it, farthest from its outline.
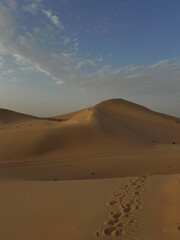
(106, 140)
(112, 139)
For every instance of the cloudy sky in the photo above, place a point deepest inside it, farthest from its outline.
(57, 56)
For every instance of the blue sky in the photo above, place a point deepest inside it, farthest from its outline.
(59, 56)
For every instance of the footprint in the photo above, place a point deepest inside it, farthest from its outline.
(107, 231)
(127, 199)
(112, 203)
(119, 232)
(116, 215)
(127, 215)
(128, 205)
(120, 224)
(127, 210)
(138, 207)
(137, 193)
(117, 195)
(111, 222)
(132, 222)
(97, 234)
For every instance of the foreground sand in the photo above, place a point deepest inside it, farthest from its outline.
(91, 148)
(126, 208)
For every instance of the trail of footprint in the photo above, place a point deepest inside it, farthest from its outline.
(126, 200)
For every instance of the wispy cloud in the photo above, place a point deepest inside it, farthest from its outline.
(157, 79)
(54, 19)
(32, 6)
(85, 62)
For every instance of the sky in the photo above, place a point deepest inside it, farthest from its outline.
(58, 56)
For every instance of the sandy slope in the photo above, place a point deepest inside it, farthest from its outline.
(109, 139)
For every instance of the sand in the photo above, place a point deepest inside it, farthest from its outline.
(123, 208)
(90, 174)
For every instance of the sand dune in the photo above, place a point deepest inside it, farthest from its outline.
(112, 139)
(8, 116)
(110, 135)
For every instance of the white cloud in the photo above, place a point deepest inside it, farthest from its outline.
(15, 79)
(54, 19)
(66, 40)
(28, 68)
(39, 1)
(6, 27)
(2, 61)
(100, 59)
(9, 76)
(12, 4)
(8, 72)
(57, 66)
(158, 79)
(6, 18)
(85, 62)
(31, 8)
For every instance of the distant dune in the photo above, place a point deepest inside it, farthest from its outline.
(8, 116)
(108, 138)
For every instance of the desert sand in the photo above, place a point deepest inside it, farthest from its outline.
(109, 171)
